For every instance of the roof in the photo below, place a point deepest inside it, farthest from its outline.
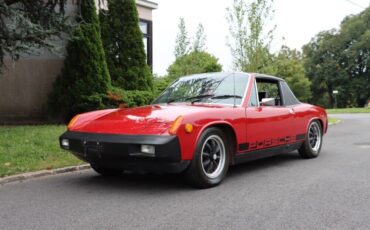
(205, 75)
(267, 77)
(147, 4)
(223, 74)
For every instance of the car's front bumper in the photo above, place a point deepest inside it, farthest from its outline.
(124, 151)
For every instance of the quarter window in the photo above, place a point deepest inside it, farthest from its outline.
(253, 101)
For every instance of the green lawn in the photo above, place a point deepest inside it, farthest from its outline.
(333, 120)
(349, 110)
(32, 148)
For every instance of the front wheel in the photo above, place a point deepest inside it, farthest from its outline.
(313, 142)
(210, 161)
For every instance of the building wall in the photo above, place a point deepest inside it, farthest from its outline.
(26, 84)
(144, 13)
(24, 88)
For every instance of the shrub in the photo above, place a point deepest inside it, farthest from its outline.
(118, 97)
(84, 80)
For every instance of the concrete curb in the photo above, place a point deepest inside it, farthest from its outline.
(42, 173)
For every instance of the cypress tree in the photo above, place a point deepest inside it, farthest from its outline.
(85, 79)
(124, 47)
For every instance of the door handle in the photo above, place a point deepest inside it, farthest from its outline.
(291, 111)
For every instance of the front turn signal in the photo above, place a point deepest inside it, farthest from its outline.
(175, 125)
(72, 122)
(188, 128)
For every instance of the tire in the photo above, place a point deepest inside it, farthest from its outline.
(311, 147)
(106, 172)
(210, 161)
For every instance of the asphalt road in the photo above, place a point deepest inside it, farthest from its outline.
(284, 192)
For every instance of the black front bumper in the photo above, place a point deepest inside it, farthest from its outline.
(123, 152)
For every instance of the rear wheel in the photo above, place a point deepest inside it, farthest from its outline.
(313, 142)
(106, 172)
(210, 161)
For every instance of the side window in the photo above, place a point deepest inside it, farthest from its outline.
(269, 89)
(253, 101)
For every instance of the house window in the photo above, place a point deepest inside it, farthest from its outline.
(146, 29)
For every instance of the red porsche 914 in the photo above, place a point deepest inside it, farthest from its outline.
(200, 125)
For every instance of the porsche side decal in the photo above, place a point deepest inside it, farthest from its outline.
(269, 142)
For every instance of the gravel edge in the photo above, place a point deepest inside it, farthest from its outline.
(43, 173)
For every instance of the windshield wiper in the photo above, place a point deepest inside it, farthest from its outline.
(191, 99)
(172, 100)
(225, 96)
(198, 98)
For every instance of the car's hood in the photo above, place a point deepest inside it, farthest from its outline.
(148, 120)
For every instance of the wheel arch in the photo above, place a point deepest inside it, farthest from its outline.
(319, 120)
(230, 134)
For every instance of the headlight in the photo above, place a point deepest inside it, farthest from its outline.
(65, 143)
(148, 149)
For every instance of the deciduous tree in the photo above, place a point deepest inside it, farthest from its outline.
(193, 63)
(249, 40)
(288, 64)
(182, 40)
(340, 60)
(28, 26)
(200, 39)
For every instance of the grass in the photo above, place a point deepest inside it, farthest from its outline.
(333, 120)
(349, 110)
(32, 148)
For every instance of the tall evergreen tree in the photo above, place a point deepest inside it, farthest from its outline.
(84, 80)
(124, 47)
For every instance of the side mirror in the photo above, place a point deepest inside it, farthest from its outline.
(268, 101)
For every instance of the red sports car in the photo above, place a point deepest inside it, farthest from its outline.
(200, 125)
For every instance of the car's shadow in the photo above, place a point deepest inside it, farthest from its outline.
(262, 164)
(150, 182)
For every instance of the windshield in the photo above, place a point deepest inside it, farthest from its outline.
(216, 88)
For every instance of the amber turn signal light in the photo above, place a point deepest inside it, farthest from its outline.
(175, 125)
(71, 123)
(188, 128)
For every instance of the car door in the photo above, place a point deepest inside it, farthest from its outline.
(267, 125)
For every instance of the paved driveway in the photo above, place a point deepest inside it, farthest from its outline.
(284, 192)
